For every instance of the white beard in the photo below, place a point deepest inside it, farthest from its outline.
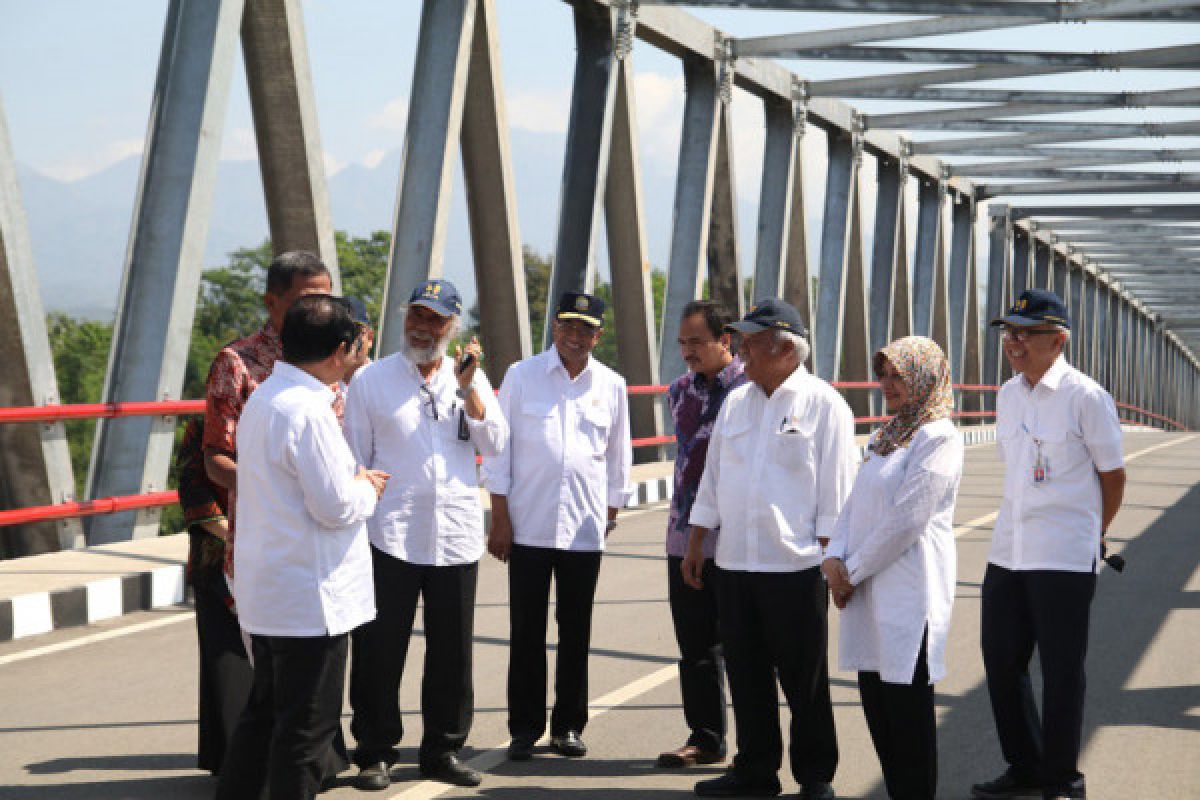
(424, 355)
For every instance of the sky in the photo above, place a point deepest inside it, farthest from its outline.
(77, 77)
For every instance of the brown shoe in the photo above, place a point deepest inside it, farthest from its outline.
(688, 756)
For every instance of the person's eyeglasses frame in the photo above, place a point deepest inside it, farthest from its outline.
(1024, 334)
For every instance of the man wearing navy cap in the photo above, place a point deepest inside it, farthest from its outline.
(1060, 439)
(556, 490)
(781, 460)
(421, 415)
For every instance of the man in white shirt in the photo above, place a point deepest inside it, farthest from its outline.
(421, 415)
(303, 568)
(1060, 438)
(780, 465)
(556, 490)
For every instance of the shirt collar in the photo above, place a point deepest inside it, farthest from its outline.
(1053, 377)
(272, 336)
(723, 379)
(554, 361)
(793, 384)
(295, 375)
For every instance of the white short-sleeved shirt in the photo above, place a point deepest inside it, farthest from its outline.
(778, 470)
(1053, 524)
(430, 512)
(302, 561)
(569, 455)
(896, 536)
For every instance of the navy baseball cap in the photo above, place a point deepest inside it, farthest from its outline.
(770, 313)
(439, 296)
(577, 305)
(358, 310)
(1034, 307)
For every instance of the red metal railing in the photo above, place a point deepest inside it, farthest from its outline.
(111, 505)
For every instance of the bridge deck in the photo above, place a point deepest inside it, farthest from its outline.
(109, 711)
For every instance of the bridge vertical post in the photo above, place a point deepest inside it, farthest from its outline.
(157, 301)
(1043, 251)
(887, 260)
(704, 115)
(1059, 283)
(837, 346)
(585, 166)
(632, 281)
(1104, 324)
(492, 203)
(775, 195)
(724, 278)
(1087, 326)
(960, 284)
(433, 127)
(999, 295)
(929, 257)
(286, 130)
(1022, 258)
(35, 464)
(1076, 310)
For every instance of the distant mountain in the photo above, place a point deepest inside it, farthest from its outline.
(80, 229)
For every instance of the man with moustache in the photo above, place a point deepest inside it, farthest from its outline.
(695, 399)
(781, 461)
(1064, 478)
(556, 490)
(421, 416)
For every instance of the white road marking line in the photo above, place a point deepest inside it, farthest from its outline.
(490, 759)
(1148, 450)
(59, 647)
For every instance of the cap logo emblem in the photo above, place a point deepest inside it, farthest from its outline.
(581, 304)
(433, 290)
(1021, 304)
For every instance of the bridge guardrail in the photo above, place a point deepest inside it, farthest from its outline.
(170, 408)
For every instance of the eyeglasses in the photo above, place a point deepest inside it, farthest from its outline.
(1023, 334)
(429, 402)
(577, 329)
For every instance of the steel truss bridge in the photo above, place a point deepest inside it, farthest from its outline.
(1128, 272)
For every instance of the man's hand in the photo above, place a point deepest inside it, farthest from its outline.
(838, 578)
(500, 536)
(693, 563)
(376, 477)
(467, 375)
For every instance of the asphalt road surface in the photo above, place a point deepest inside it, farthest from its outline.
(108, 711)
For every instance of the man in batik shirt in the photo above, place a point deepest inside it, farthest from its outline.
(694, 399)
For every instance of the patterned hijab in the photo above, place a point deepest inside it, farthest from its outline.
(926, 373)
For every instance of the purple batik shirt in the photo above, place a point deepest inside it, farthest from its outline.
(694, 401)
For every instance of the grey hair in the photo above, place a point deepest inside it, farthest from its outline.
(798, 342)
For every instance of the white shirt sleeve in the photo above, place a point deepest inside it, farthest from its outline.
(837, 466)
(1101, 427)
(359, 431)
(839, 534)
(705, 508)
(932, 470)
(490, 434)
(497, 468)
(619, 455)
(331, 494)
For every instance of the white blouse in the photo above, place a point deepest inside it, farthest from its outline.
(896, 537)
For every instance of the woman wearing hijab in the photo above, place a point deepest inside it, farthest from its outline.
(890, 563)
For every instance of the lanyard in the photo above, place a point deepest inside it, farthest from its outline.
(1041, 465)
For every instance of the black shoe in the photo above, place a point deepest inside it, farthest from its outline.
(1008, 785)
(521, 748)
(374, 778)
(817, 790)
(735, 784)
(1076, 790)
(569, 745)
(447, 768)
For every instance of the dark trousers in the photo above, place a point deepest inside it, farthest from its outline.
(380, 648)
(903, 728)
(773, 626)
(285, 735)
(529, 572)
(1049, 609)
(694, 612)
(225, 672)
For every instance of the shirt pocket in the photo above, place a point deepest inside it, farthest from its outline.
(594, 424)
(1063, 451)
(738, 445)
(537, 421)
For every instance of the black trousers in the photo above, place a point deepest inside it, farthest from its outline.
(773, 626)
(381, 646)
(701, 682)
(225, 673)
(903, 729)
(1049, 609)
(529, 572)
(285, 736)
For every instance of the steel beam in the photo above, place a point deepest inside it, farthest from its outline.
(929, 268)
(999, 297)
(961, 289)
(724, 272)
(632, 281)
(1023, 249)
(703, 114)
(1076, 309)
(434, 126)
(35, 463)
(157, 302)
(1023, 167)
(888, 259)
(1076, 132)
(492, 203)
(954, 55)
(989, 190)
(797, 282)
(585, 168)
(1087, 330)
(286, 130)
(1046, 11)
(1042, 253)
(775, 195)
